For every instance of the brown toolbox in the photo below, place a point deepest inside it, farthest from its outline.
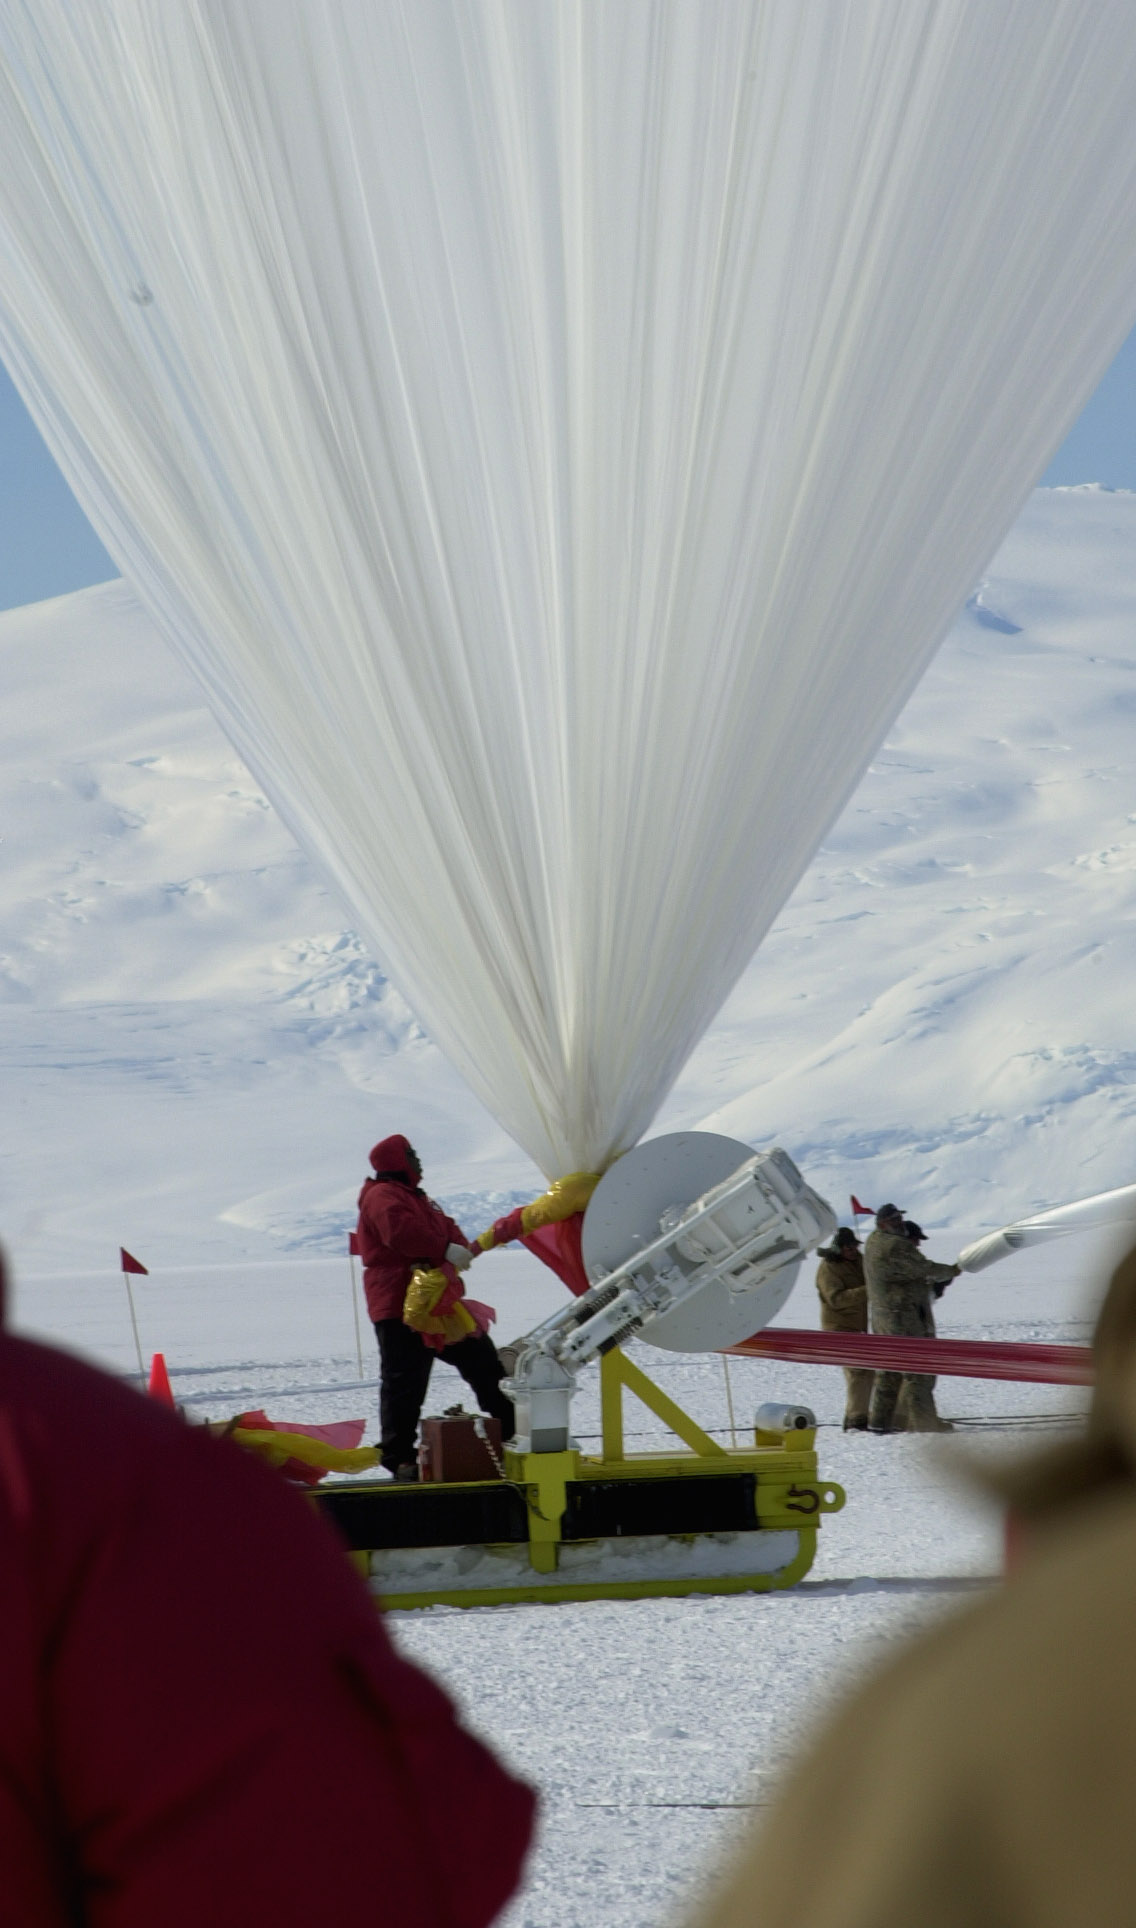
(452, 1450)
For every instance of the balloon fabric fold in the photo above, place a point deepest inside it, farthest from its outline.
(557, 436)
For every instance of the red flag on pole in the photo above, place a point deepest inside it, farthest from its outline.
(354, 1253)
(131, 1264)
(862, 1211)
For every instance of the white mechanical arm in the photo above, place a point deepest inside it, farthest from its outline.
(741, 1234)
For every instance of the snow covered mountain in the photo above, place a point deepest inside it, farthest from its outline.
(197, 1054)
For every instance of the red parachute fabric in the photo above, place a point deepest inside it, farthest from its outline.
(559, 1247)
(344, 1433)
(511, 1227)
(958, 1358)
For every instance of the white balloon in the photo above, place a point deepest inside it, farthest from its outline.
(558, 436)
(1083, 1215)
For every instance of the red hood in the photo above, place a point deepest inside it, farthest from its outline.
(393, 1155)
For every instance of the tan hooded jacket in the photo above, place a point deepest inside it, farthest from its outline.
(843, 1294)
(987, 1778)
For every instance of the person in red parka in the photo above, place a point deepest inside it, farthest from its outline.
(201, 1717)
(399, 1230)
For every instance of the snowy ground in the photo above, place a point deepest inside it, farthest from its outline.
(195, 1055)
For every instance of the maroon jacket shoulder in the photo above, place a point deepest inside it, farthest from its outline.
(201, 1716)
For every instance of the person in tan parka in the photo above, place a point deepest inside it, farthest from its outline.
(844, 1308)
(987, 1778)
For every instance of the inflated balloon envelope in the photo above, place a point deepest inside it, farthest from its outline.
(557, 436)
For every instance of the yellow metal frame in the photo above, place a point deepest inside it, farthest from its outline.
(788, 1498)
(617, 1371)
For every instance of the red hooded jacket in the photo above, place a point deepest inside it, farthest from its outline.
(201, 1717)
(399, 1229)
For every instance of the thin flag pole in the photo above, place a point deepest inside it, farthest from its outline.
(729, 1399)
(130, 1265)
(352, 1249)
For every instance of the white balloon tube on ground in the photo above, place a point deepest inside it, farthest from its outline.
(558, 437)
(1084, 1215)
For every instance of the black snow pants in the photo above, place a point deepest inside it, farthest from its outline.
(406, 1362)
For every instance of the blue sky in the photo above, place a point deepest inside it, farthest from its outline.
(47, 547)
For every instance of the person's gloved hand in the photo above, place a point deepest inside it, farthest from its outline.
(459, 1256)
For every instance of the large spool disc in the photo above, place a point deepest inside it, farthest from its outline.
(623, 1216)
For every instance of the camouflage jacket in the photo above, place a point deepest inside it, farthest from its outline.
(900, 1285)
(843, 1294)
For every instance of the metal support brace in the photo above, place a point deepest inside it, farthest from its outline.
(544, 1478)
(618, 1371)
